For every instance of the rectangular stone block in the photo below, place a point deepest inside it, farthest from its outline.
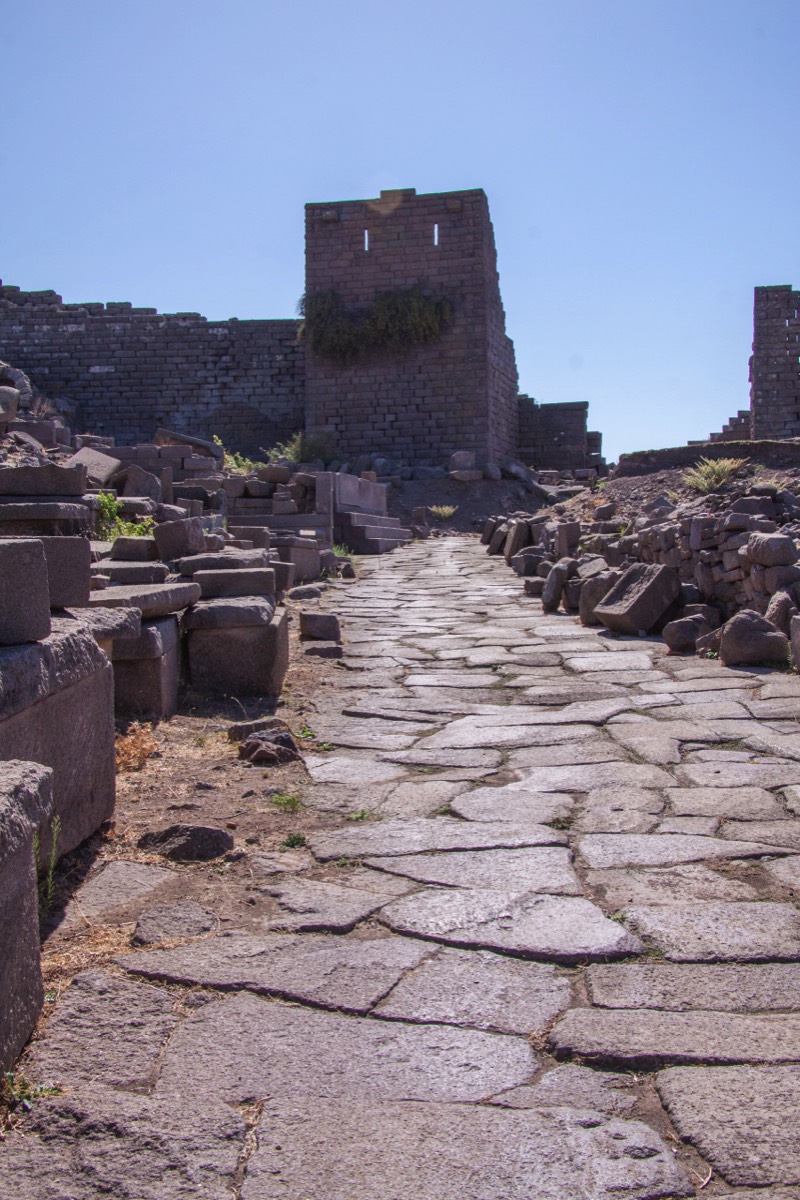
(24, 591)
(247, 582)
(146, 671)
(639, 600)
(26, 802)
(47, 480)
(175, 539)
(69, 561)
(247, 661)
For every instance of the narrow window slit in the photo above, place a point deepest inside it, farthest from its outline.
(366, 240)
(436, 235)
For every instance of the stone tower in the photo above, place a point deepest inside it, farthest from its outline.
(458, 392)
(775, 364)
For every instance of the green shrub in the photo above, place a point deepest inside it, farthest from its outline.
(237, 464)
(443, 512)
(395, 322)
(111, 525)
(710, 474)
(304, 447)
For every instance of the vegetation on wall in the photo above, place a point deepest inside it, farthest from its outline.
(395, 322)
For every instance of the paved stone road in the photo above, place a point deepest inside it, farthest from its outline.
(560, 962)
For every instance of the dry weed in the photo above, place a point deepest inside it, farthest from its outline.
(134, 747)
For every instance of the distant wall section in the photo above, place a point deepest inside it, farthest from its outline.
(457, 393)
(127, 370)
(775, 364)
(555, 436)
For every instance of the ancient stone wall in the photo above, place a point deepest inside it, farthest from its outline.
(456, 393)
(554, 436)
(127, 370)
(775, 365)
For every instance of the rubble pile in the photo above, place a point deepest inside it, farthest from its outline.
(714, 574)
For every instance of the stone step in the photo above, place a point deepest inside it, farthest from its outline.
(357, 520)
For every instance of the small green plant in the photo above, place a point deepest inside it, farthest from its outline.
(361, 815)
(442, 512)
(562, 822)
(710, 474)
(293, 842)
(111, 525)
(47, 877)
(286, 802)
(236, 463)
(341, 551)
(324, 746)
(17, 1092)
(306, 733)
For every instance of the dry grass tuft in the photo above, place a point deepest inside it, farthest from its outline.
(134, 747)
(709, 475)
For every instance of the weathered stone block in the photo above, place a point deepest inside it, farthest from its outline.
(146, 671)
(750, 638)
(24, 591)
(255, 581)
(320, 626)
(175, 539)
(26, 802)
(639, 600)
(47, 480)
(248, 660)
(69, 561)
(99, 467)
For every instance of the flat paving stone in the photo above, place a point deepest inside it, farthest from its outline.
(99, 1141)
(398, 836)
(743, 1120)
(452, 679)
(321, 905)
(477, 730)
(667, 885)
(105, 1030)
(184, 919)
(350, 974)
(382, 1151)
(119, 885)
(517, 802)
(608, 661)
(423, 757)
(412, 799)
(719, 931)
(775, 833)
(744, 803)
(725, 987)
(598, 775)
(557, 928)
(540, 869)
(353, 771)
(731, 775)
(657, 746)
(585, 1087)
(785, 871)
(593, 750)
(244, 1049)
(602, 850)
(479, 989)
(648, 1039)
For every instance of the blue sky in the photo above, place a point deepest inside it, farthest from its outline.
(640, 158)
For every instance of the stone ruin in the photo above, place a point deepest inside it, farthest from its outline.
(712, 578)
(94, 630)
(121, 371)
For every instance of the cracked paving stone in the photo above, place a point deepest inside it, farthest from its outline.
(517, 802)
(470, 732)
(350, 974)
(120, 885)
(563, 929)
(184, 919)
(98, 1142)
(584, 1087)
(729, 987)
(124, 1023)
(720, 932)
(654, 746)
(338, 1151)
(593, 750)
(600, 775)
(541, 869)
(318, 905)
(352, 771)
(419, 799)
(397, 836)
(744, 803)
(452, 679)
(602, 850)
(479, 989)
(727, 775)
(244, 1048)
(421, 756)
(785, 871)
(743, 1120)
(667, 885)
(648, 1039)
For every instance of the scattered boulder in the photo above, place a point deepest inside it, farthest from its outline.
(750, 639)
(187, 843)
(639, 600)
(270, 747)
(320, 627)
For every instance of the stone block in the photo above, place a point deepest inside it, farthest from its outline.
(68, 570)
(238, 661)
(639, 600)
(47, 480)
(146, 671)
(26, 802)
(284, 576)
(462, 460)
(255, 581)
(9, 402)
(99, 467)
(519, 535)
(319, 626)
(176, 539)
(257, 534)
(222, 560)
(130, 573)
(24, 592)
(568, 534)
(56, 709)
(303, 553)
(139, 482)
(771, 549)
(152, 600)
(749, 638)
